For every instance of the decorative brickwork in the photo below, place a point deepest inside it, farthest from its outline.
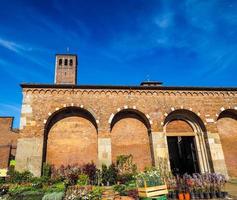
(155, 105)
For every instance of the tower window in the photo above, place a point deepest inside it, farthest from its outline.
(65, 62)
(60, 61)
(71, 62)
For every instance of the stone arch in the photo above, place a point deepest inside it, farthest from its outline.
(227, 129)
(130, 134)
(187, 123)
(69, 134)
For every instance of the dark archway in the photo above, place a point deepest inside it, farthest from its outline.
(188, 146)
(130, 134)
(65, 130)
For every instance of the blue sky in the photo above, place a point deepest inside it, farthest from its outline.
(121, 42)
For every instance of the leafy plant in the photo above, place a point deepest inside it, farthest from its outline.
(46, 170)
(19, 177)
(109, 174)
(149, 179)
(82, 179)
(90, 170)
(57, 187)
(125, 164)
(121, 189)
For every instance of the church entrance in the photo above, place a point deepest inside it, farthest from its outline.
(182, 154)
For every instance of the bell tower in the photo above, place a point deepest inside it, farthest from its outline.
(66, 69)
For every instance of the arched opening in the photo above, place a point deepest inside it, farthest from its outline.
(187, 146)
(227, 129)
(130, 134)
(70, 137)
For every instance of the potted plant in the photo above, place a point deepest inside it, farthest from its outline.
(150, 184)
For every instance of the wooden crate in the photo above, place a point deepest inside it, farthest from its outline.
(152, 191)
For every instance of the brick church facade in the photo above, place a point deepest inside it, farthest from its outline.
(193, 128)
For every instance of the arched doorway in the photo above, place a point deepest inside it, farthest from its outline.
(227, 129)
(188, 152)
(130, 135)
(70, 137)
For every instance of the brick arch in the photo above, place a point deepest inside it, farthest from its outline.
(185, 115)
(130, 134)
(193, 123)
(227, 130)
(140, 115)
(69, 134)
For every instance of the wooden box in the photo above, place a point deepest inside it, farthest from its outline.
(152, 191)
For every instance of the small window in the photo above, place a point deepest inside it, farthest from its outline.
(65, 62)
(71, 62)
(60, 62)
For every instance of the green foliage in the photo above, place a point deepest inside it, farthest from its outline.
(126, 168)
(149, 179)
(109, 174)
(19, 177)
(83, 192)
(27, 195)
(90, 170)
(13, 163)
(96, 193)
(57, 187)
(125, 164)
(121, 189)
(46, 170)
(54, 196)
(83, 179)
(2, 181)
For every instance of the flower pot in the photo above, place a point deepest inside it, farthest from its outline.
(196, 194)
(218, 194)
(192, 195)
(206, 195)
(172, 195)
(181, 196)
(212, 195)
(224, 194)
(187, 196)
(201, 196)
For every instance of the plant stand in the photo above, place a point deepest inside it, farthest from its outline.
(153, 192)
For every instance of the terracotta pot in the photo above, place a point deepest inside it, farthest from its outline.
(187, 196)
(181, 196)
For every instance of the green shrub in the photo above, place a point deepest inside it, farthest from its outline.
(57, 187)
(27, 195)
(121, 189)
(96, 193)
(82, 179)
(46, 170)
(90, 170)
(19, 177)
(54, 196)
(109, 174)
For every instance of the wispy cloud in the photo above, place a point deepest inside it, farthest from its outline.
(13, 46)
(26, 51)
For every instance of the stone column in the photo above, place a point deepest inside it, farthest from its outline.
(217, 154)
(104, 151)
(159, 144)
(29, 155)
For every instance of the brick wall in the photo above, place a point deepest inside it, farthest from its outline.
(103, 104)
(227, 128)
(72, 140)
(177, 126)
(8, 140)
(130, 136)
